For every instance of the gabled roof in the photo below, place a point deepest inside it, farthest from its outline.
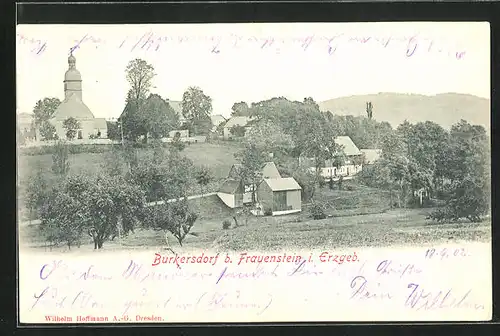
(269, 170)
(230, 186)
(282, 184)
(239, 120)
(348, 146)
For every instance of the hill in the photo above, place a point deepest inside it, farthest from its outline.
(444, 109)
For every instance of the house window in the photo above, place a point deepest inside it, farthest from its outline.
(279, 201)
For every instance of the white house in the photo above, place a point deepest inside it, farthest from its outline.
(217, 120)
(235, 121)
(371, 155)
(352, 165)
(280, 195)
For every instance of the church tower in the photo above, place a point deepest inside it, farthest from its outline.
(72, 79)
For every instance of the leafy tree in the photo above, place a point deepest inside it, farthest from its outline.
(240, 109)
(62, 219)
(131, 119)
(158, 117)
(44, 110)
(175, 217)
(270, 137)
(203, 177)
(114, 162)
(310, 101)
(238, 131)
(252, 159)
(469, 175)
(36, 191)
(197, 108)
(60, 159)
(114, 131)
(317, 210)
(48, 131)
(71, 125)
(139, 75)
(168, 179)
(369, 110)
(177, 144)
(98, 205)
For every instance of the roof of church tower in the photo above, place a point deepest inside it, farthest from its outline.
(72, 74)
(72, 106)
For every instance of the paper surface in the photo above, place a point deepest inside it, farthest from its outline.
(363, 262)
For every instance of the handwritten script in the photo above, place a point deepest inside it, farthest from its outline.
(114, 288)
(151, 41)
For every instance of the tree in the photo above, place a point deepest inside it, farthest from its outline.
(48, 131)
(62, 219)
(252, 159)
(71, 125)
(114, 162)
(139, 75)
(36, 191)
(238, 131)
(197, 108)
(270, 137)
(310, 101)
(159, 117)
(203, 177)
(177, 144)
(369, 110)
(168, 179)
(44, 110)
(114, 131)
(60, 159)
(100, 206)
(469, 176)
(175, 217)
(240, 109)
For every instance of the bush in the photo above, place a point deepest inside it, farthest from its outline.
(226, 224)
(268, 212)
(317, 211)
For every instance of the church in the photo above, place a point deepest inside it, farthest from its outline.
(73, 107)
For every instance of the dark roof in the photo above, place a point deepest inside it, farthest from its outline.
(230, 186)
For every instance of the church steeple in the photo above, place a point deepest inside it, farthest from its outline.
(72, 79)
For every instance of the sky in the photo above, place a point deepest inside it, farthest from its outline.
(253, 61)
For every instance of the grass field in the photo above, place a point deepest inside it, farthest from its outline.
(358, 218)
(217, 157)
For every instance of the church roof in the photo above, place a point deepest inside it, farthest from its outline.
(72, 106)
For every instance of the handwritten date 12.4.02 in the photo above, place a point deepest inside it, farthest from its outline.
(445, 253)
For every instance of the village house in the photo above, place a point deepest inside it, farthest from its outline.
(371, 155)
(177, 107)
(179, 133)
(280, 196)
(235, 193)
(235, 121)
(25, 127)
(73, 107)
(353, 163)
(217, 120)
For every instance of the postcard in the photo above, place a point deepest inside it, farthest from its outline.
(251, 172)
